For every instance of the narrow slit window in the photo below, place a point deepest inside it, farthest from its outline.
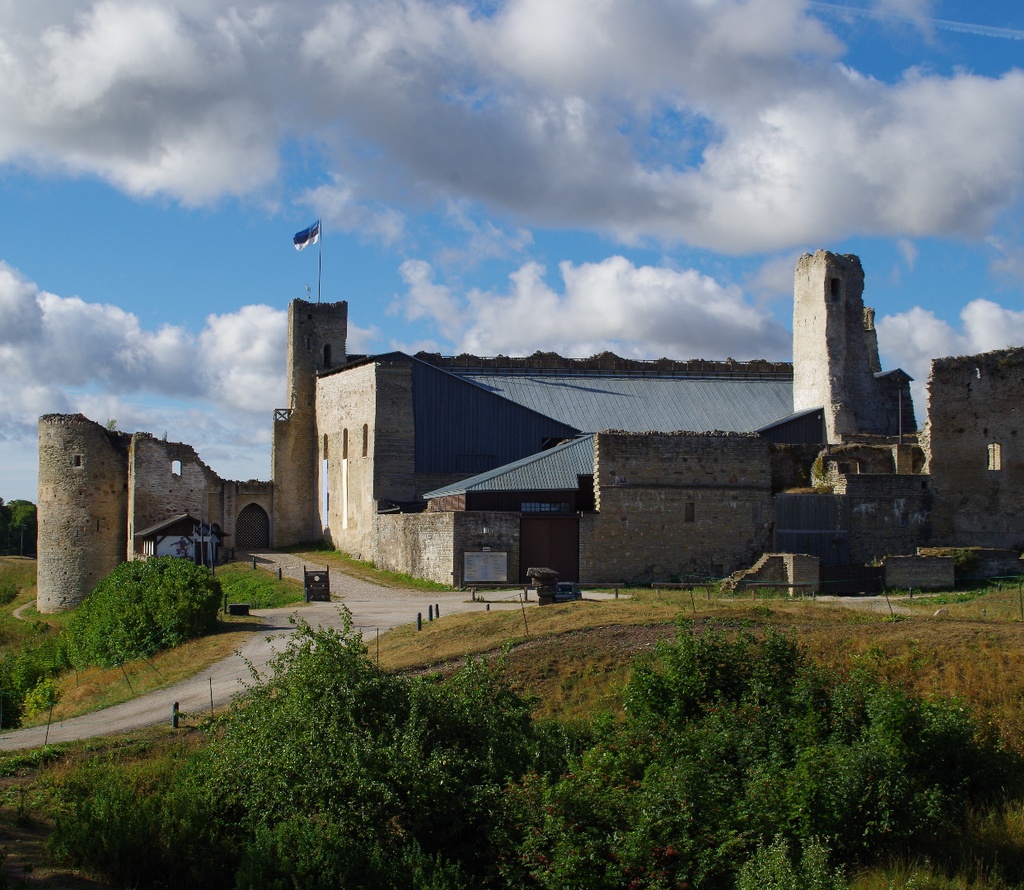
(995, 456)
(689, 511)
(344, 444)
(366, 439)
(76, 461)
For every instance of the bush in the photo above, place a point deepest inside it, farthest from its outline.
(140, 608)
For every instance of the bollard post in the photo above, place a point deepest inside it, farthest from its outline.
(472, 594)
(616, 593)
(254, 563)
(278, 573)
(419, 621)
(488, 607)
(174, 716)
(437, 610)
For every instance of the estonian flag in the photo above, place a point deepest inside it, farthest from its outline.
(307, 236)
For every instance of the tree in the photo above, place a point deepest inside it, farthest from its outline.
(17, 528)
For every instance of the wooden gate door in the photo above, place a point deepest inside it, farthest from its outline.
(551, 542)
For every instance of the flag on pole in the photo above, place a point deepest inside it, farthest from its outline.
(307, 236)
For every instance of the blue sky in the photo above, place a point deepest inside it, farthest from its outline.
(493, 177)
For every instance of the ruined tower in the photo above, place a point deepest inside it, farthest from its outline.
(317, 334)
(835, 353)
(83, 507)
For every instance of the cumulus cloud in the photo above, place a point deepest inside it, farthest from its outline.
(911, 339)
(635, 311)
(732, 125)
(217, 387)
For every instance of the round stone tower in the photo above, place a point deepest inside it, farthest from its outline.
(82, 512)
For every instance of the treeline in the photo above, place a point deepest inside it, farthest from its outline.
(17, 528)
(738, 764)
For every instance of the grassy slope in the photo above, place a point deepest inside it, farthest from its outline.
(575, 659)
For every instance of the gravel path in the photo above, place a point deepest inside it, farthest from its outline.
(372, 606)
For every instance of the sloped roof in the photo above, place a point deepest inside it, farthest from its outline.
(595, 402)
(556, 469)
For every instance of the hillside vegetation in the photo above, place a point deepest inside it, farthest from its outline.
(658, 741)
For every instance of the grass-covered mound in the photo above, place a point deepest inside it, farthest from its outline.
(141, 608)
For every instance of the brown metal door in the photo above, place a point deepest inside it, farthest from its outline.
(551, 542)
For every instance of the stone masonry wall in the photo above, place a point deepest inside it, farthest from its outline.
(889, 514)
(924, 572)
(420, 544)
(82, 508)
(166, 479)
(974, 448)
(346, 407)
(676, 505)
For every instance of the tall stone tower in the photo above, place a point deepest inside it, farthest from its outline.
(835, 352)
(317, 334)
(83, 507)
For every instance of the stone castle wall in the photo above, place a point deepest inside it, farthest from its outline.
(166, 479)
(316, 342)
(82, 511)
(835, 352)
(348, 435)
(676, 505)
(889, 514)
(974, 449)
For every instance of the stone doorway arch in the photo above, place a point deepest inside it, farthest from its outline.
(252, 528)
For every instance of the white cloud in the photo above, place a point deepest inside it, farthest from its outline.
(911, 339)
(635, 311)
(215, 390)
(729, 125)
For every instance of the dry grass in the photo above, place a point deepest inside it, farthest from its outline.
(96, 688)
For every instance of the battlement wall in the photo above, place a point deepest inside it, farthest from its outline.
(610, 363)
(974, 448)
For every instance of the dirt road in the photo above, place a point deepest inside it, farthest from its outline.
(373, 607)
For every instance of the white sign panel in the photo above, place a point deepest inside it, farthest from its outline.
(485, 567)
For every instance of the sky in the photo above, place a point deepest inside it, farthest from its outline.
(494, 177)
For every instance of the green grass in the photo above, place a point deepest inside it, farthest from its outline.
(262, 590)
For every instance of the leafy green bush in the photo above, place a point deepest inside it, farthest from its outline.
(26, 671)
(141, 608)
(735, 741)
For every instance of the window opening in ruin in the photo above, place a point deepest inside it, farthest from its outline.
(904, 520)
(835, 288)
(344, 444)
(325, 490)
(995, 456)
(327, 355)
(688, 512)
(76, 461)
(309, 344)
(175, 467)
(366, 439)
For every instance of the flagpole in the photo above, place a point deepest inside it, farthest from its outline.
(320, 258)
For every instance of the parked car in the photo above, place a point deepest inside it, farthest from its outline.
(565, 591)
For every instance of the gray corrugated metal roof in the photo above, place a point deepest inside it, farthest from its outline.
(556, 469)
(592, 402)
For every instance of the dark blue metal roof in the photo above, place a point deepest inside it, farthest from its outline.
(557, 469)
(595, 402)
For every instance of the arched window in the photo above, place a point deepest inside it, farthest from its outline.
(175, 467)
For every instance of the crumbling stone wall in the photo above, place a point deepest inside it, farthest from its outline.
(974, 446)
(921, 572)
(82, 511)
(676, 505)
(166, 479)
(889, 514)
(835, 352)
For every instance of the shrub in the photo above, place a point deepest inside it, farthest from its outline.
(141, 608)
